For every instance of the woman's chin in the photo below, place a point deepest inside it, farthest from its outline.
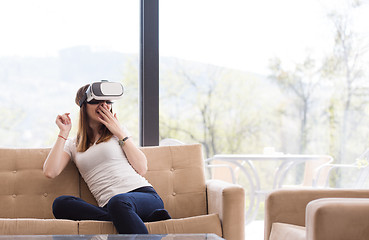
(96, 118)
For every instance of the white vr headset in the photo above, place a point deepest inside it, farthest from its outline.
(102, 91)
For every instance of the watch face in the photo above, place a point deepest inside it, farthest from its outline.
(122, 141)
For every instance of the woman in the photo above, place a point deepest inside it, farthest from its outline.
(111, 165)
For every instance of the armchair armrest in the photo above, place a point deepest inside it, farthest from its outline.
(228, 201)
(289, 206)
(338, 218)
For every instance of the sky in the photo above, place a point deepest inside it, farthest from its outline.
(238, 34)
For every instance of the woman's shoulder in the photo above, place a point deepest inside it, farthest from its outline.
(71, 143)
(70, 147)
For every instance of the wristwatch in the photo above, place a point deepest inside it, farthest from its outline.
(122, 141)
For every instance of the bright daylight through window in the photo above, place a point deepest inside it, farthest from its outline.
(247, 77)
(51, 48)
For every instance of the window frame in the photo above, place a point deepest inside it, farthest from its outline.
(149, 73)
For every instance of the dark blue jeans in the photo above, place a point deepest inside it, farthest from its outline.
(128, 211)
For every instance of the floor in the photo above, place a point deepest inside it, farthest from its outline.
(254, 230)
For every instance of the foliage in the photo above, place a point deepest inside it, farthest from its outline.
(211, 105)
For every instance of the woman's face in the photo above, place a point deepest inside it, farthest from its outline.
(92, 110)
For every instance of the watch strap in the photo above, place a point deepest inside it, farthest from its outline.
(122, 141)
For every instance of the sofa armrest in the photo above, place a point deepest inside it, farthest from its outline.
(289, 206)
(337, 218)
(228, 201)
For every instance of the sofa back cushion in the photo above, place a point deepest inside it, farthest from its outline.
(177, 174)
(24, 190)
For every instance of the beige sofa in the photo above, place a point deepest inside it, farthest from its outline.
(317, 214)
(176, 172)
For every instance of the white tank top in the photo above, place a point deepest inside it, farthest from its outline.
(105, 169)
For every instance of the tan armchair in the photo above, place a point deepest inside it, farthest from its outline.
(317, 215)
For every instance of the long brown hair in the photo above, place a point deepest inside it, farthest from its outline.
(85, 134)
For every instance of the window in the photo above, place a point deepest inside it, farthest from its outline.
(51, 48)
(287, 76)
(239, 76)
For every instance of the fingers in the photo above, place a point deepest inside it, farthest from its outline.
(64, 119)
(105, 113)
(105, 110)
(107, 118)
(67, 114)
(103, 121)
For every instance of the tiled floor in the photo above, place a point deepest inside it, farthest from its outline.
(254, 230)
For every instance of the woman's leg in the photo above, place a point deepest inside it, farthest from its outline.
(129, 210)
(158, 215)
(74, 208)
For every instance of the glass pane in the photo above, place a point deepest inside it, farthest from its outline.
(274, 77)
(49, 49)
(239, 76)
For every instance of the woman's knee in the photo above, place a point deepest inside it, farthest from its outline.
(60, 205)
(121, 202)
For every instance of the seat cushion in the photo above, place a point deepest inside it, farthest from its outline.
(199, 224)
(31, 226)
(283, 231)
(90, 227)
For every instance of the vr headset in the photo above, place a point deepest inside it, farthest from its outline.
(104, 90)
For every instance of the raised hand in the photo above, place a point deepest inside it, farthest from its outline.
(64, 123)
(110, 120)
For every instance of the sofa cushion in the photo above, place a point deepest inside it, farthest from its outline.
(90, 227)
(199, 224)
(30, 226)
(25, 191)
(177, 174)
(287, 232)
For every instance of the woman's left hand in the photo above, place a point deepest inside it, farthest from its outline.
(135, 156)
(110, 120)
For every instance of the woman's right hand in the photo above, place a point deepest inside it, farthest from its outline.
(64, 123)
(58, 159)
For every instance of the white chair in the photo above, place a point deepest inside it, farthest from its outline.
(170, 142)
(359, 171)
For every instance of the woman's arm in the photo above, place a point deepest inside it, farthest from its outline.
(58, 159)
(135, 156)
